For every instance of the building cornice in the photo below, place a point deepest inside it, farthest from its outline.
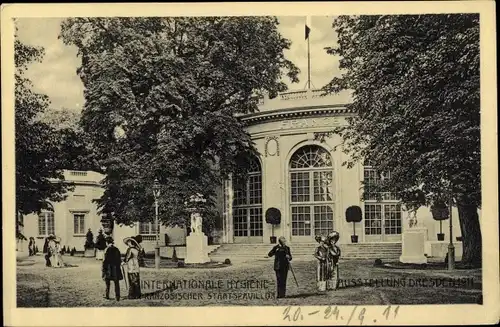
(290, 113)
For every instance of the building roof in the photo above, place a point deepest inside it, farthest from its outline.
(299, 104)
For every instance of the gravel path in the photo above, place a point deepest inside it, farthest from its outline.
(82, 286)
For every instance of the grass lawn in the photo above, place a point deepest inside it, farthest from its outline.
(82, 286)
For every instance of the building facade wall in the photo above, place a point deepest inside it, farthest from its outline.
(281, 127)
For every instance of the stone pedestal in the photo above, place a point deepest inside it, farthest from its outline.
(197, 248)
(413, 243)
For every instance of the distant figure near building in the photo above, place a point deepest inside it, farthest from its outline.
(333, 259)
(46, 250)
(100, 244)
(52, 251)
(31, 246)
(321, 254)
(282, 258)
(58, 260)
(111, 268)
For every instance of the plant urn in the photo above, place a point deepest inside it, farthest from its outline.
(440, 236)
(273, 239)
(354, 238)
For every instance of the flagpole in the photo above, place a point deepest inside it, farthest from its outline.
(308, 66)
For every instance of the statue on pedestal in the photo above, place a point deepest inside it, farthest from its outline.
(194, 208)
(196, 223)
(196, 242)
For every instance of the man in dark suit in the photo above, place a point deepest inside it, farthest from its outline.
(282, 258)
(111, 268)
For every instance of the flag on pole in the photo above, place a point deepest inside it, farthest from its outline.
(308, 26)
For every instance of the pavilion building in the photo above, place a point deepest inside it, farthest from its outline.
(302, 177)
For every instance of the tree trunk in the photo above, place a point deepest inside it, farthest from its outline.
(471, 235)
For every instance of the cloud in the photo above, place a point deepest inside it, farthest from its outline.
(323, 66)
(56, 75)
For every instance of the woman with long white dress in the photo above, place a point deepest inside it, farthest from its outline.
(132, 264)
(53, 252)
(321, 254)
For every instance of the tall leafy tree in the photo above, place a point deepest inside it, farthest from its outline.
(39, 179)
(162, 99)
(75, 147)
(415, 83)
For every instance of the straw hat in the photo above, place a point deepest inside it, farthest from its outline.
(57, 239)
(131, 239)
(334, 236)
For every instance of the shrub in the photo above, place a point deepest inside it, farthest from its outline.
(180, 264)
(227, 262)
(353, 215)
(273, 217)
(89, 240)
(378, 263)
(440, 211)
(72, 253)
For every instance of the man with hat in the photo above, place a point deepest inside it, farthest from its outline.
(282, 258)
(111, 268)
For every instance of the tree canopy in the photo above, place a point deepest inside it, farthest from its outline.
(161, 95)
(75, 148)
(415, 83)
(39, 178)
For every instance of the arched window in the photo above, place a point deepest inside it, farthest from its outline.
(311, 191)
(247, 204)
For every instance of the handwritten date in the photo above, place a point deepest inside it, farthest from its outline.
(356, 316)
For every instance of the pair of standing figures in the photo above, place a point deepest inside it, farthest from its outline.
(114, 270)
(52, 250)
(327, 254)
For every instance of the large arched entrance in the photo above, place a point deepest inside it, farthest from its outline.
(311, 193)
(247, 205)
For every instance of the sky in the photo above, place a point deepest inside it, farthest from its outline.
(56, 75)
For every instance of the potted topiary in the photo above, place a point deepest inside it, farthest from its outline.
(89, 245)
(440, 212)
(273, 217)
(354, 215)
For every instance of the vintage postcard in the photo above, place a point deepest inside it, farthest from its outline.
(250, 164)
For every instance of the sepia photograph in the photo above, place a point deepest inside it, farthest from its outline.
(319, 164)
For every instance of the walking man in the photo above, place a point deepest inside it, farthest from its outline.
(111, 268)
(282, 258)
